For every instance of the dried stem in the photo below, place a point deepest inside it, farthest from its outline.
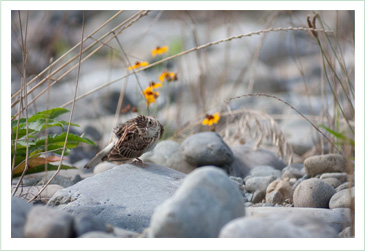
(272, 96)
(194, 49)
(72, 110)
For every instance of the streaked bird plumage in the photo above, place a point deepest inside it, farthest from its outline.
(130, 140)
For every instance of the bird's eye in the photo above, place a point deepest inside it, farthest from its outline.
(150, 122)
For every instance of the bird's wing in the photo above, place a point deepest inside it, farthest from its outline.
(131, 147)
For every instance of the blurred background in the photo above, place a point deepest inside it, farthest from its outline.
(313, 72)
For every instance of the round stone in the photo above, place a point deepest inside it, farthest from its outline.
(313, 193)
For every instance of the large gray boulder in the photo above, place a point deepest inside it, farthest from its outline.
(124, 196)
(337, 219)
(205, 202)
(274, 226)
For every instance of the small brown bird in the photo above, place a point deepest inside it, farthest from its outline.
(131, 139)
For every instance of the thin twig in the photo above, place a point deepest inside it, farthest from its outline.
(72, 110)
(24, 88)
(85, 58)
(194, 49)
(68, 52)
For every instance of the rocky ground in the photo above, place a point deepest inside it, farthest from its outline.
(192, 190)
(203, 184)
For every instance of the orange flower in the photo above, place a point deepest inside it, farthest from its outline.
(137, 65)
(159, 50)
(169, 76)
(211, 119)
(154, 85)
(150, 95)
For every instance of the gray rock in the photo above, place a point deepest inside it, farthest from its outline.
(330, 163)
(103, 166)
(265, 171)
(313, 193)
(168, 153)
(122, 233)
(97, 234)
(332, 181)
(206, 201)
(278, 191)
(124, 196)
(338, 218)
(250, 158)
(258, 196)
(344, 186)
(342, 177)
(346, 233)
(292, 226)
(259, 183)
(293, 171)
(88, 223)
(207, 148)
(46, 222)
(114, 233)
(238, 169)
(19, 212)
(342, 198)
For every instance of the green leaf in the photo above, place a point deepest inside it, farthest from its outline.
(22, 133)
(41, 168)
(338, 135)
(51, 114)
(15, 122)
(57, 141)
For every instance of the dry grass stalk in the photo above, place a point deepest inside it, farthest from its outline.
(83, 60)
(195, 49)
(72, 110)
(242, 126)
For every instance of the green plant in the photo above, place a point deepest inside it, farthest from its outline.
(38, 144)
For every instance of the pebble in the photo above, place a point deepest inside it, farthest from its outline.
(258, 196)
(292, 226)
(19, 212)
(342, 198)
(103, 166)
(97, 234)
(124, 196)
(332, 181)
(278, 191)
(168, 153)
(206, 200)
(330, 163)
(313, 193)
(293, 171)
(259, 183)
(207, 148)
(43, 222)
(344, 186)
(342, 177)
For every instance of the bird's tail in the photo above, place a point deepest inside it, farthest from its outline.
(99, 156)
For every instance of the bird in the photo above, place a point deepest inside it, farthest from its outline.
(130, 140)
